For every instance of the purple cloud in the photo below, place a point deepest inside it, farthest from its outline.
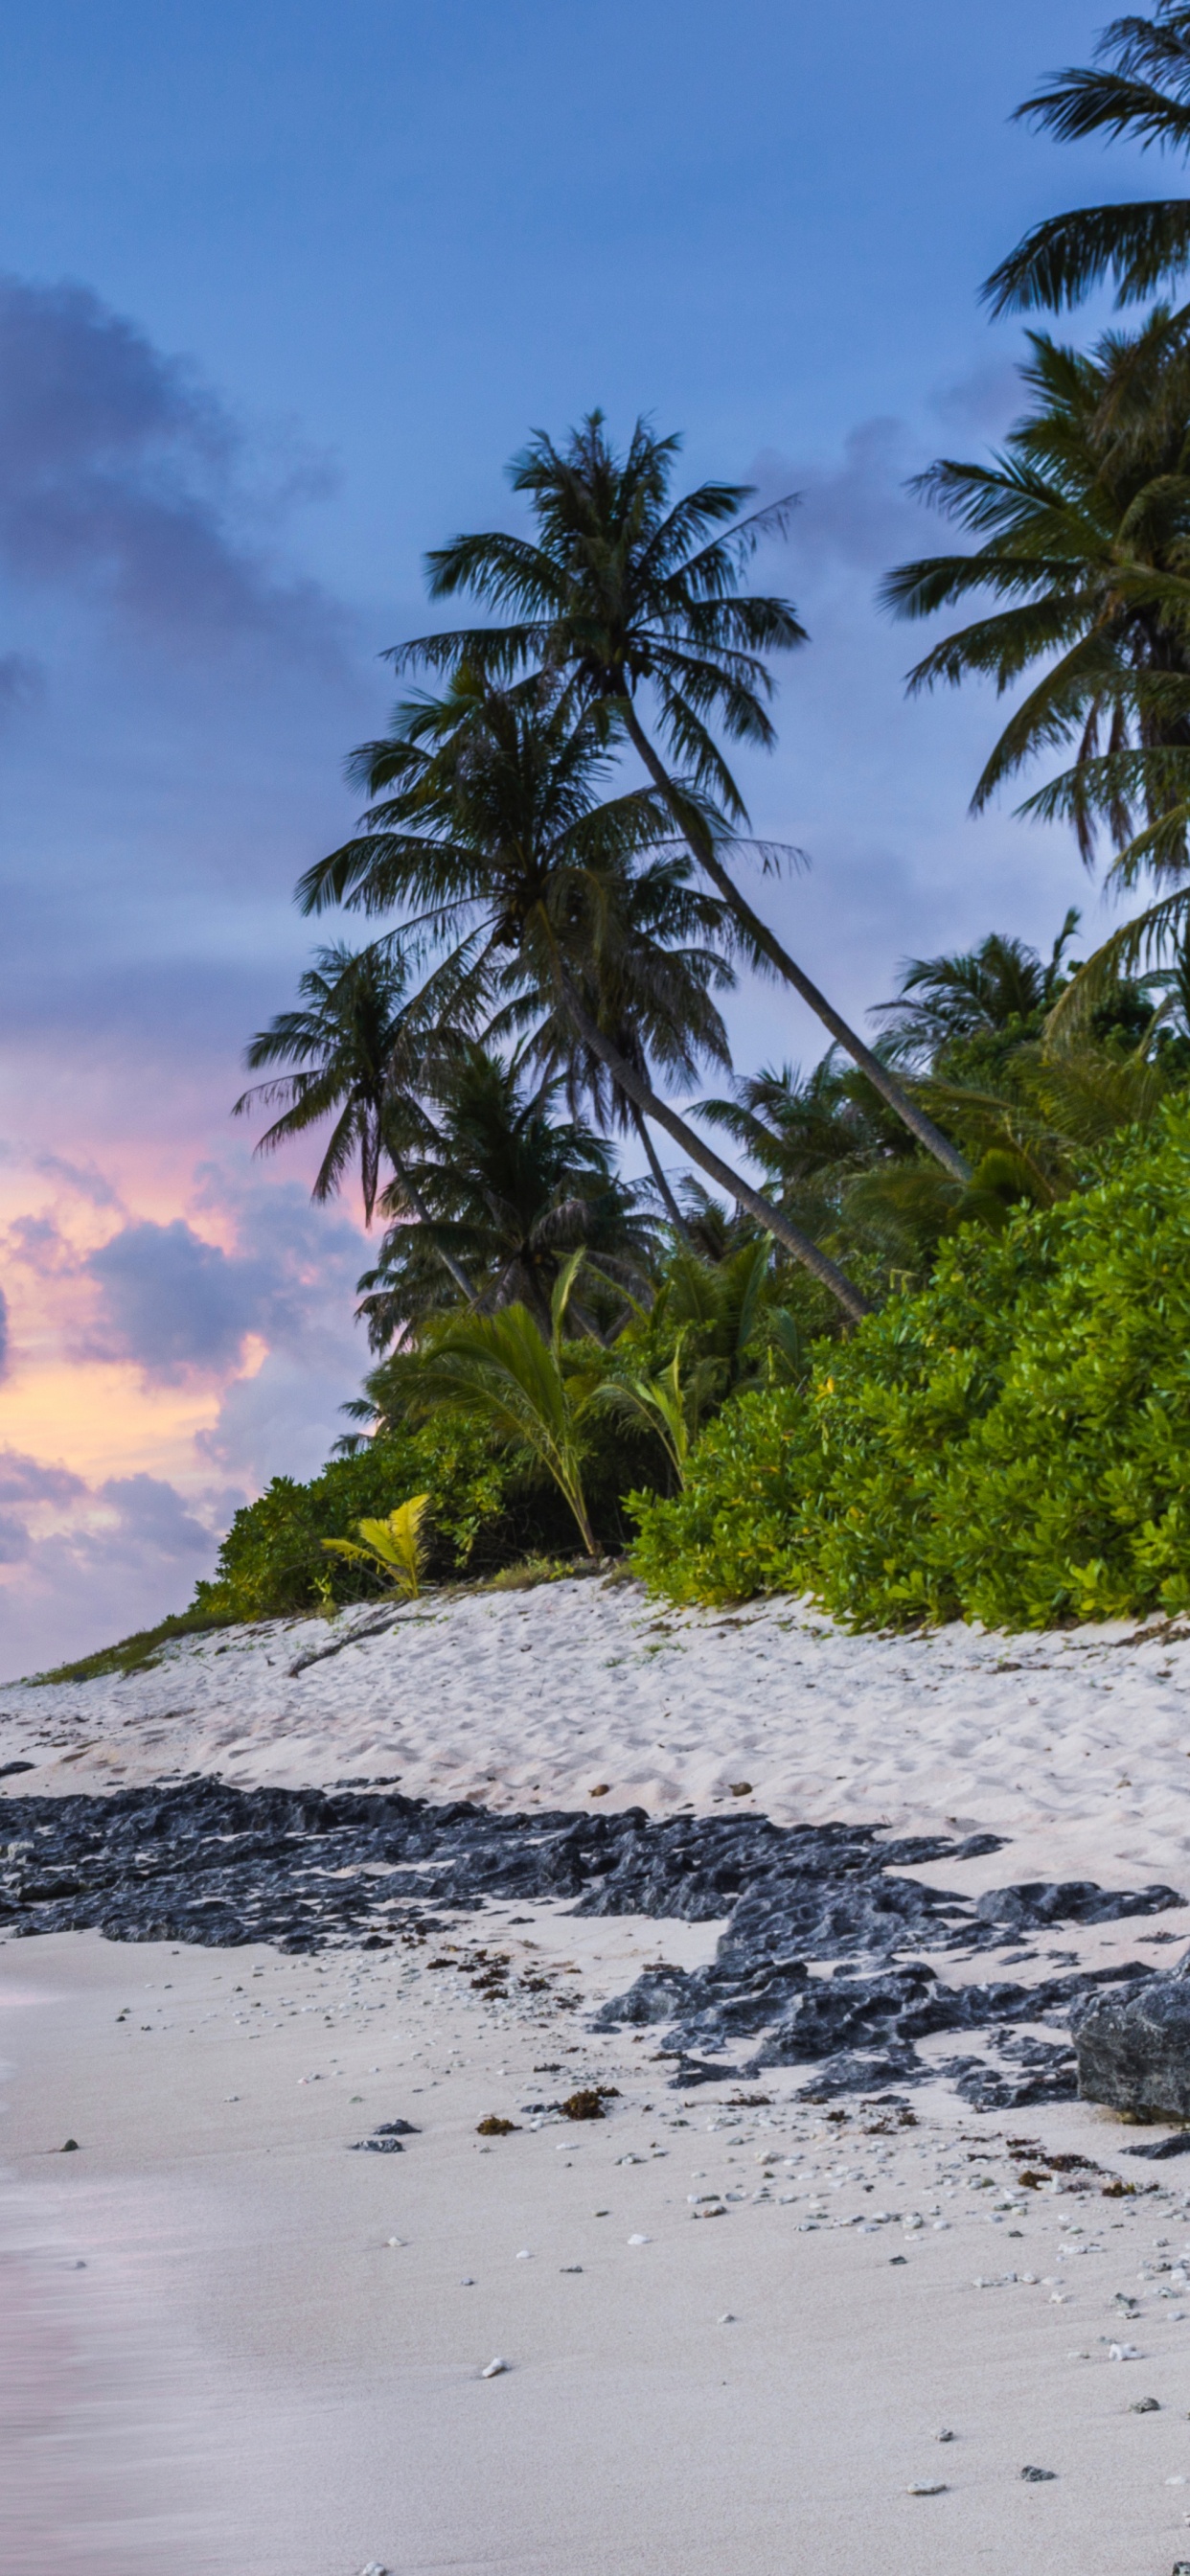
(30, 1480)
(119, 476)
(153, 1514)
(172, 1302)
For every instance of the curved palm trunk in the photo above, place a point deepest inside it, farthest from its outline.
(883, 1081)
(661, 1185)
(850, 1298)
(422, 1213)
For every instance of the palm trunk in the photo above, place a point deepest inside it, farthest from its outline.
(850, 1298)
(664, 1192)
(422, 1213)
(703, 848)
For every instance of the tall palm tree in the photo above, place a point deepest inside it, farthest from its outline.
(1084, 519)
(510, 1191)
(1139, 88)
(362, 1045)
(498, 848)
(628, 592)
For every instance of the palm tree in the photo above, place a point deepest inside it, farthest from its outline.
(362, 1045)
(661, 1010)
(499, 849)
(507, 1190)
(1085, 527)
(628, 591)
(504, 1371)
(1003, 987)
(1140, 89)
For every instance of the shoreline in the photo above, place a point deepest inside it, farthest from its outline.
(268, 2385)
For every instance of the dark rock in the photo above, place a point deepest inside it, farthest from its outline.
(1037, 2070)
(1038, 2477)
(1036, 1906)
(1179, 2146)
(200, 1861)
(1134, 2049)
(9, 1770)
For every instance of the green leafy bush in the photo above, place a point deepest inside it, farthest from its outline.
(485, 1511)
(272, 1560)
(1011, 1443)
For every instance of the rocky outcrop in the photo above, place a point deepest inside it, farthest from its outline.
(1133, 2046)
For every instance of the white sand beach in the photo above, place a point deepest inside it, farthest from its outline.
(1076, 1743)
(257, 2353)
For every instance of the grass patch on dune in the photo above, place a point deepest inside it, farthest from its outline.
(136, 1654)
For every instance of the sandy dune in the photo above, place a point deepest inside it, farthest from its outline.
(1076, 1744)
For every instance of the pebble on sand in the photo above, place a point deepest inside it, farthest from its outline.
(495, 2369)
(927, 2486)
(70, 2147)
(1038, 2477)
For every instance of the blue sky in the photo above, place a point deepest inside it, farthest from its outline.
(283, 286)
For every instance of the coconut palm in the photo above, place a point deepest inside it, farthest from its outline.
(629, 593)
(1139, 88)
(1003, 987)
(363, 1044)
(1084, 522)
(510, 1192)
(659, 1011)
(499, 849)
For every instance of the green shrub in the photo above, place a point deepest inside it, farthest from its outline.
(485, 1512)
(1011, 1443)
(273, 1562)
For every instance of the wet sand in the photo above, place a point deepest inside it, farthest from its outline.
(249, 2377)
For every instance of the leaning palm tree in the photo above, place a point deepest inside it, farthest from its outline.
(1084, 529)
(1139, 89)
(629, 593)
(362, 1044)
(498, 847)
(510, 1191)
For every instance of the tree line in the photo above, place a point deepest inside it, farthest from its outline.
(551, 858)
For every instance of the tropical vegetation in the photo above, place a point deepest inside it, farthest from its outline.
(903, 1329)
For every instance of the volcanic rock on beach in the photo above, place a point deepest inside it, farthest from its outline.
(820, 1962)
(1133, 2049)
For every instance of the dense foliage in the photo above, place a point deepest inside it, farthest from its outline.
(1011, 1443)
(487, 1511)
(934, 1363)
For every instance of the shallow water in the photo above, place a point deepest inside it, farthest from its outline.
(106, 2449)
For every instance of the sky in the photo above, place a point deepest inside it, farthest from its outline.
(281, 289)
